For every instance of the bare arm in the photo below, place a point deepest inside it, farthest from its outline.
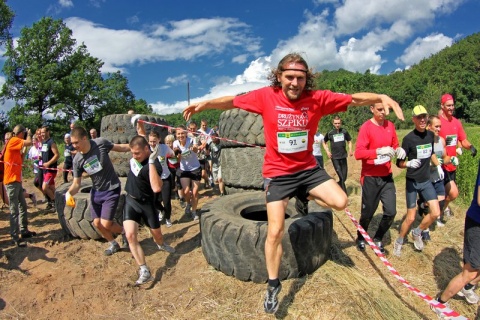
(367, 98)
(350, 147)
(155, 180)
(75, 186)
(222, 103)
(55, 157)
(124, 147)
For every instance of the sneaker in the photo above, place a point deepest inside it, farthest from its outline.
(144, 277)
(417, 241)
(379, 244)
(160, 215)
(271, 302)
(33, 197)
(440, 223)
(51, 207)
(168, 223)
(112, 249)
(360, 245)
(397, 248)
(222, 194)
(125, 244)
(166, 247)
(188, 210)
(183, 204)
(426, 235)
(447, 212)
(469, 295)
(20, 243)
(194, 216)
(28, 234)
(439, 312)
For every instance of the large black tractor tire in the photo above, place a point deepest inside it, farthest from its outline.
(77, 221)
(242, 167)
(119, 129)
(234, 229)
(242, 126)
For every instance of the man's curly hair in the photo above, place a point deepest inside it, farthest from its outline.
(291, 58)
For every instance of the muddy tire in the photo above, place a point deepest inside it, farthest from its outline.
(77, 221)
(243, 167)
(233, 190)
(242, 126)
(234, 230)
(121, 162)
(118, 128)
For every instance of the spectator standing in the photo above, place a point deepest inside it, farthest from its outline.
(13, 183)
(215, 149)
(50, 155)
(68, 153)
(317, 148)
(338, 138)
(93, 133)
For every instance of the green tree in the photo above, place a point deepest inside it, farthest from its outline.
(6, 20)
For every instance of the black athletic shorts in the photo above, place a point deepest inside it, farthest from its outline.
(137, 211)
(291, 185)
(195, 175)
(449, 176)
(471, 243)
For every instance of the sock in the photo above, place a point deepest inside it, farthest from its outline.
(440, 300)
(399, 240)
(273, 283)
(468, 286)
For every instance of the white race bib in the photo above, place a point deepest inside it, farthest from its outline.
(339, 137)
(424, 151)
(44, 147)
(291, 142)
(92, 165)
(135, 166)
(66, 153)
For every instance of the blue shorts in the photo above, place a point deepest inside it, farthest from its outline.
(103, 204)
(439, 188)
(425, 189)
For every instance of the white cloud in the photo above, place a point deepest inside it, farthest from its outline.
(65, 3)
(177, 40)
(179, 79)
(423, 48)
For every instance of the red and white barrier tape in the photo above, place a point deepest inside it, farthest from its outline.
(203, 134)
(443, 308)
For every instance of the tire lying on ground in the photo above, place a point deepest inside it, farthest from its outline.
(243, 167)
(240, 125)
(77, 221)
(234, 229)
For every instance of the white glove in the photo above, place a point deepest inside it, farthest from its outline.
(454, 160)
(386, 151)
(153, 155)
(459, 151)
(414, 164)
(440, 160)
(134, 119)
(381, 160)
(400, 153)
(441, 174)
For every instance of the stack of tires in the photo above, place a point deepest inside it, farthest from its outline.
(77, 222)
(234, 227)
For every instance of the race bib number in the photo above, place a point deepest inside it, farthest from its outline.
(424, 151)
(339, 137)
(44, 147)
(92, 165)
(451, 140)
(162, 160)
(135, 166)
(291, 142)
(66, 153)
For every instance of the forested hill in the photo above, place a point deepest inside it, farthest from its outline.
(455, 69)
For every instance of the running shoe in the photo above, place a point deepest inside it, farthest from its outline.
(183, 204)
(144, 277)
(440, 223)
(469, 295)
(194, 216)
(166, 247)
(28, 234)
(379, 244)
(124, 241)
(112, 249)
(397, 248)
(168, 223)
(33, 197)
(271, 301)
(447, 212)
(439, 312)
(426, 235)
(361, 245)
(417, 241)
(188, 209)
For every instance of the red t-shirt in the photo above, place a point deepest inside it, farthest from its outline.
(370, 137)
(13, 161)
(289, 125)
(452, 131)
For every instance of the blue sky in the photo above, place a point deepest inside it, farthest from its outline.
(227, 47)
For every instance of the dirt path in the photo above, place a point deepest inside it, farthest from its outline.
(58, 278)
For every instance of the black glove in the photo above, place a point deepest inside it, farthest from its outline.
(473, 150)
